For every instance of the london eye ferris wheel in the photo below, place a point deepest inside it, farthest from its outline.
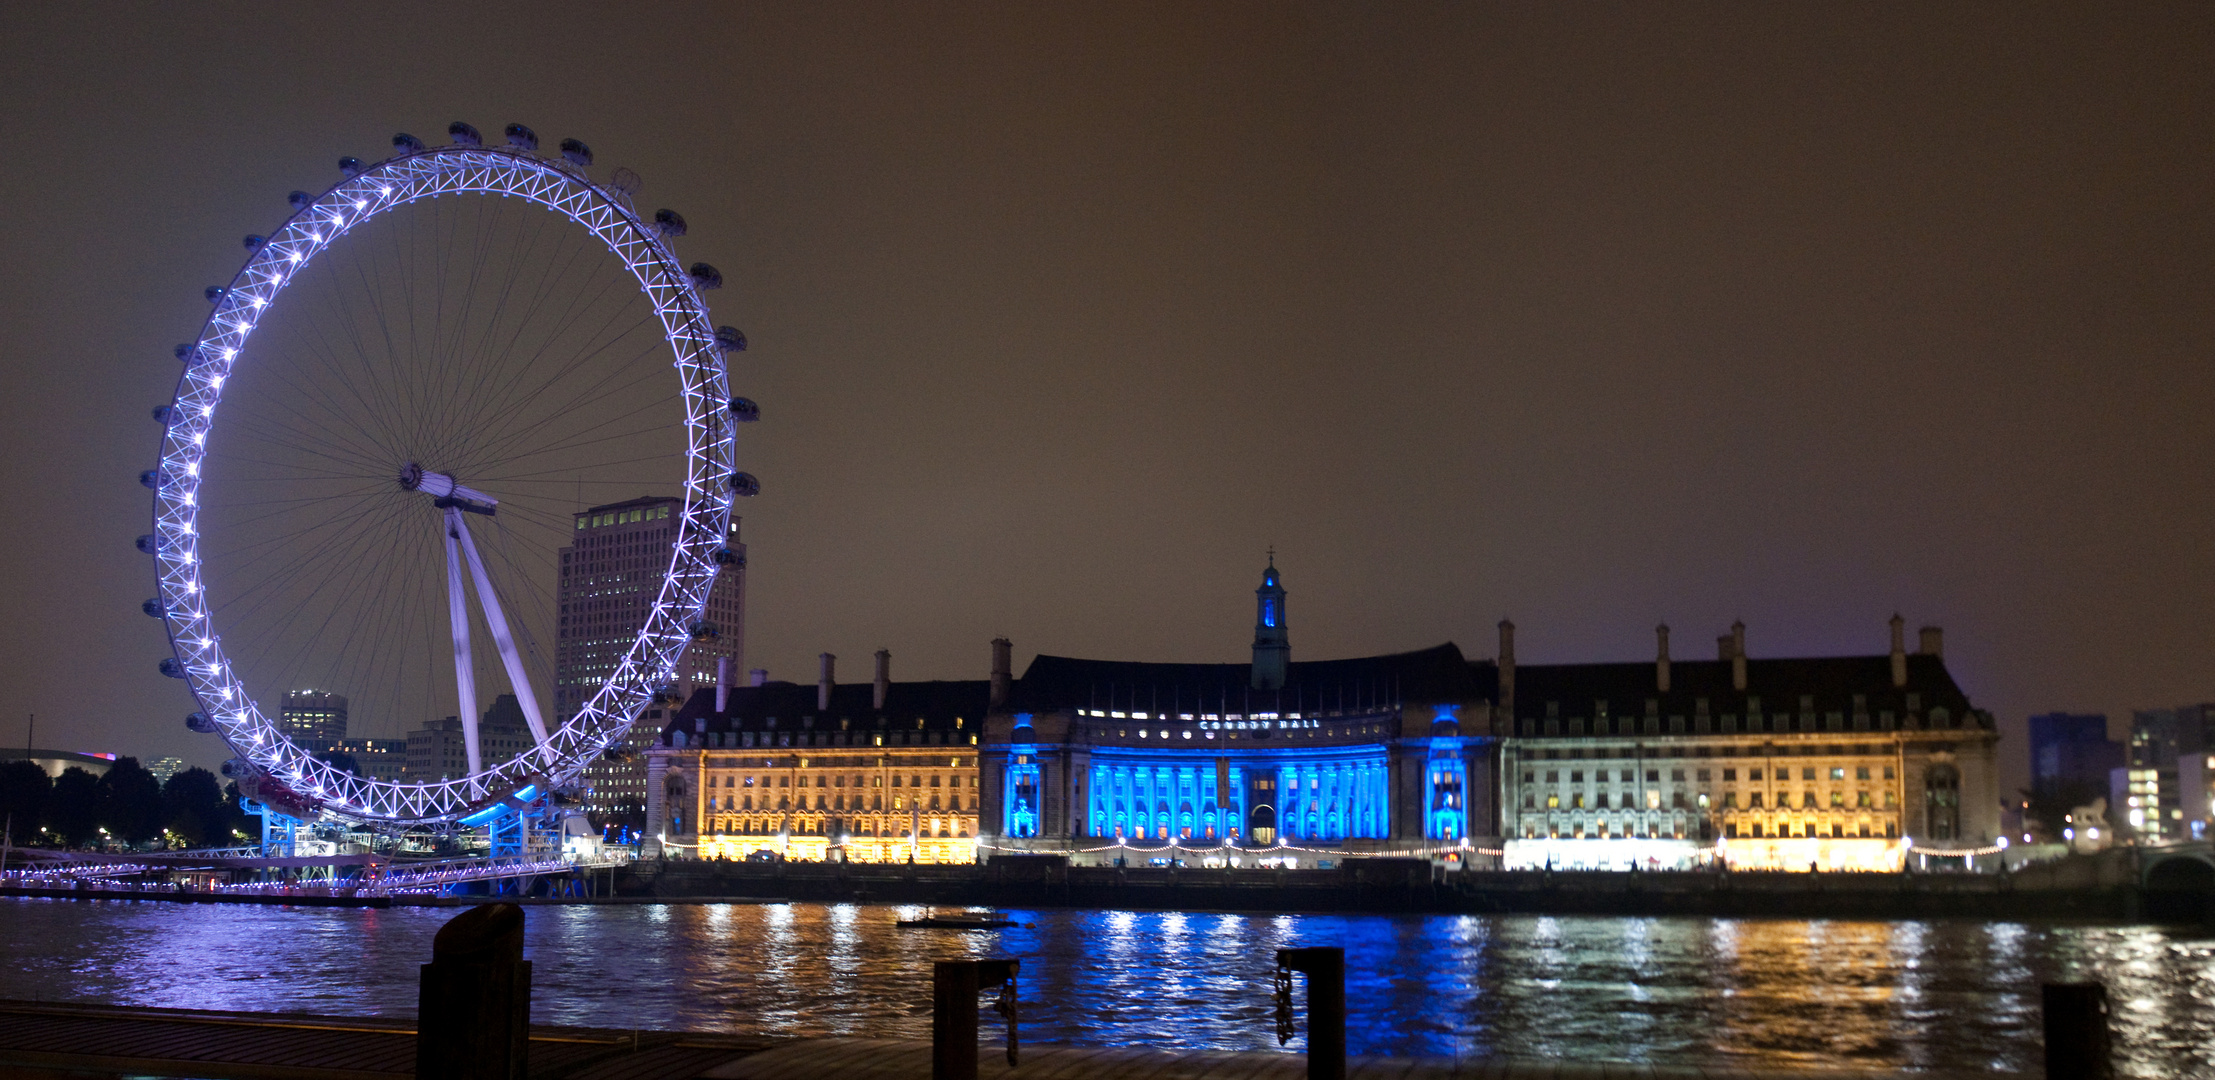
(375, 463)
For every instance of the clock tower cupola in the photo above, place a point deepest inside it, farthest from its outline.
(1272, 643)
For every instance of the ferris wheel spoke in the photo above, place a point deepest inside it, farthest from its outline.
(330, 410)
(352, 367)
(303, 554)
(348, 555)
(504, 448)
(298, 631)
(509, 414)
(563, 328)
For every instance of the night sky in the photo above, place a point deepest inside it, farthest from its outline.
(1589, 316)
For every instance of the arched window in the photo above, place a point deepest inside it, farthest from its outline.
(1942, 802)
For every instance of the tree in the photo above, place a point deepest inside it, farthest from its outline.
(23, 791)
(192, 807)
(131, 802)
(236, 819)
(72, 808)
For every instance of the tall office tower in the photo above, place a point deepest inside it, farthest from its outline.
(314, 719)
(2071, 756)
(610, 576)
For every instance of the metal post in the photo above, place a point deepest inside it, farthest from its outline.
(1325, 969)
(473, 1015)
(954, 987)
(2077, 1039)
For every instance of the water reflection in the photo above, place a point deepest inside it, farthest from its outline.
(1953, 995)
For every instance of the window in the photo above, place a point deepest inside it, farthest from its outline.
(1838, 773)
(1807, 774)
(1702, 775)
(1888, 772)
(1753, 774)
(1838, 798)
(1731, 775)
(1861, 772)
(1753, 800)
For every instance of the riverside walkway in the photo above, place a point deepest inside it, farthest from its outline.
(47, 1039)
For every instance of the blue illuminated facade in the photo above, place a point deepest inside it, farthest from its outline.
(1252, 797)
(1245, 763)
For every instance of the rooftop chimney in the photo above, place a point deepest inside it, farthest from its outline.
(1934, 642)
(1899, 651)
(1738, 656)
(884, 677)
(1507, 670)
(1661, 660)
(722, 684)
(758, 677)
(1002, 673)
(824, 682)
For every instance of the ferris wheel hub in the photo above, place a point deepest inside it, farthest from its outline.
(444, 488)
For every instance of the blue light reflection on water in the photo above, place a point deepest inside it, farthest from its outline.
(1951, 995)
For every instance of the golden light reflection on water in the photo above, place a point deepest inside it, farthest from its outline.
(1953, 995)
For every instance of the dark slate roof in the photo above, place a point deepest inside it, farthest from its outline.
(1437, 674)
(791, 707)
(1832, 681)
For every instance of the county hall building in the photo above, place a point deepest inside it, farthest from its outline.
(1830, 763)
(1833, 762)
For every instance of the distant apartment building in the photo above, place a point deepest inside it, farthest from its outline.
(438, 750)
(165, 767)
(2163, 787)
(610, 576)
(314, 719)
(378, 759)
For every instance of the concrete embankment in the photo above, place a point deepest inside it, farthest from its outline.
(46, 1039)
(2069, 889)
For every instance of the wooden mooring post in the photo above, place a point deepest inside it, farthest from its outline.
(2077, 1036)
(1325, 969)
(473, 1012)
(954, 988)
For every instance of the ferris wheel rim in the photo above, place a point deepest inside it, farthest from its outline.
(306, 782)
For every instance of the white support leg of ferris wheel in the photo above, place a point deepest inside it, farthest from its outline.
(457, 609)
(517, 678)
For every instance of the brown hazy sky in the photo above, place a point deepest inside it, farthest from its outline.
(1594, 316)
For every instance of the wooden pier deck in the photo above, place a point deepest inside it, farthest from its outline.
(49, 1041)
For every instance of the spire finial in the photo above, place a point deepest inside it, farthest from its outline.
(1272, 555)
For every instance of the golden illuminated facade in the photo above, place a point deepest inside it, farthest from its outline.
(1834, 763)
(871, 772)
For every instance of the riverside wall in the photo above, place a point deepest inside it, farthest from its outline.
(2091, 888)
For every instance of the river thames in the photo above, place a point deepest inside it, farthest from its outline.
(1954, 995)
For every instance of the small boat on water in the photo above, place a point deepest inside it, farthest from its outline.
(961, 921)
